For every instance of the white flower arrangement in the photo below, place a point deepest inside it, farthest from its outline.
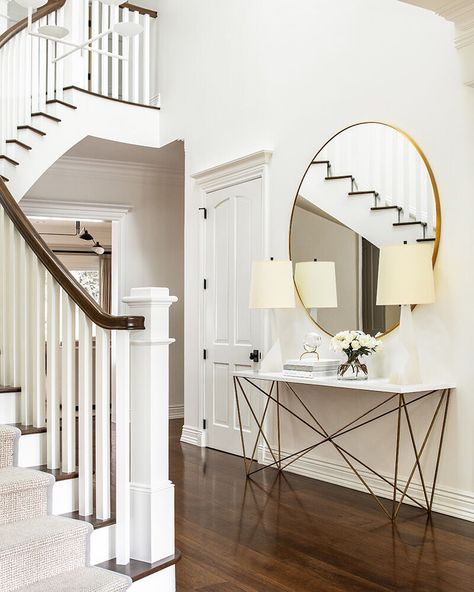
(355, 343)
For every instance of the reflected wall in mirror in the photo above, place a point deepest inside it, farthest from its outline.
(369, 186)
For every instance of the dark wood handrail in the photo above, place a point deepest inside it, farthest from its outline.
(54, 5)
(48, 8)
(60, 273)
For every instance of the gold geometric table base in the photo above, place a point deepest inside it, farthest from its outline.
(400, 406)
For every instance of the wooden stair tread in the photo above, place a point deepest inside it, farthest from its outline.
(411, 223)
(94, 94)
(57, 473)
(4, 178)
(375, 209)
(337, 177)
(52, 101)
(10, 389)
(425, 240)
(10, 160)
(96, 523)
(326, 162)
(47, 115)
(22, 144)
(372, 192)
(137, 570)
(28, 430)
(32, 129)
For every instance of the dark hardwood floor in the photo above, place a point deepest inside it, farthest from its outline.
(291, 533)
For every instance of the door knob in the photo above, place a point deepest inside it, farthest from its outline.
(255, 355)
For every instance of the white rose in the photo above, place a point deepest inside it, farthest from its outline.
(355, 345)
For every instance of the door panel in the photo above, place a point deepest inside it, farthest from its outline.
(233, 240)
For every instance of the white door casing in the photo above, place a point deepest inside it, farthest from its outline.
(233, 235)
(233, 241)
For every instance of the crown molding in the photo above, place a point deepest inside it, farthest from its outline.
(51, 208)
(235, 171)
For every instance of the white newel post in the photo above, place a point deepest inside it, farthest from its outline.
(151, 491)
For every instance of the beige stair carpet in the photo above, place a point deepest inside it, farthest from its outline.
(35, 549)
(82, 579)
(9, 436)
(24, 494)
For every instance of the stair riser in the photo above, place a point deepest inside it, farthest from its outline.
(7, 169)
(22, 505)
(32, 563)
(58, 110)
(16, 152)
(32, 450)
(44, 123)
(31, 138)
(65, 497)
(10, 408)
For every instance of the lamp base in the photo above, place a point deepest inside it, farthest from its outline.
(408, 364)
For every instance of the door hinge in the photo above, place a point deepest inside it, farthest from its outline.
(204, 354)
(205, 284)
(204, 424)
(205, 212)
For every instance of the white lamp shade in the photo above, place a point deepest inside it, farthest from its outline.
(271, 285)
(406, 275)
(31, 3)
(316, 283)
(128, 29)
(112, 2)
(53, 31)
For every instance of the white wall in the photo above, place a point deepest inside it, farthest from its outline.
(239, 76)
(152, 236)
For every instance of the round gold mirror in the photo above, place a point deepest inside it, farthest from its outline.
(369, 186)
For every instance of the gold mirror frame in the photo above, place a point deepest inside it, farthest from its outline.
(433, 185)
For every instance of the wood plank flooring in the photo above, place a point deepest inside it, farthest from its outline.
(289, 533)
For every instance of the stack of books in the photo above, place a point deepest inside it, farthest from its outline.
(311, 368)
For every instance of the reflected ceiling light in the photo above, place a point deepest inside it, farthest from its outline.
(98, 248)
(53, 31)
(112, 2)
(128, 29)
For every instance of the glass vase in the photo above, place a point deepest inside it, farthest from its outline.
(352, 369)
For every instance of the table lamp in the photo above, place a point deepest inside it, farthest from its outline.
(405, 278)
(271, 287)
(316, 283)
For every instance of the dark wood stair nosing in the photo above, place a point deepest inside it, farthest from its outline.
(22, 144)
(371, 192)
(413, 223)
(10, 389)
(28, 430)
(425, 240)
(326, 162)
(64, 103)
(377, 208)
(137, 570)
(8, 159)
(57, 473)
(47, 115)
(5, 179)
(337, 177)
(92, 519)
(31, 128)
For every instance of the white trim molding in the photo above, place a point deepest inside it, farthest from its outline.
(236, 171)
(193, 436)
(459, 504)
(51, 208)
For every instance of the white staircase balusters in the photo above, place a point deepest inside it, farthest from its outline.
(53, 373)
(68, 384)
(38, 344)
(102, 423)
(86, 505)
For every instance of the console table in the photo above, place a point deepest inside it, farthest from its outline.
(394, 399)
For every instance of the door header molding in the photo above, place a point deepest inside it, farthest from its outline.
(233, 172)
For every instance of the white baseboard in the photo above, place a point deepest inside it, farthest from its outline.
(176, 411)
(459, 504)
(193, 436)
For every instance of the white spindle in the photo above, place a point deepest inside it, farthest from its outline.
(105, 21)
(27, 336)
(50, 66)
(146, 61)
(59, 68)
(115, 50)
(102, 424)
(38, 327)
(125, 64)
(53, 374)
(95, 56)
(85, 416)
(68, 385)
(42, 56)
(3, 303)
(121, 357)
(15, 311)
(35, 73)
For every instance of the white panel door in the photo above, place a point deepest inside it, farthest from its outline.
(234, 239)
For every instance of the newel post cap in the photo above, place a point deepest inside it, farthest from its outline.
(149, 296)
